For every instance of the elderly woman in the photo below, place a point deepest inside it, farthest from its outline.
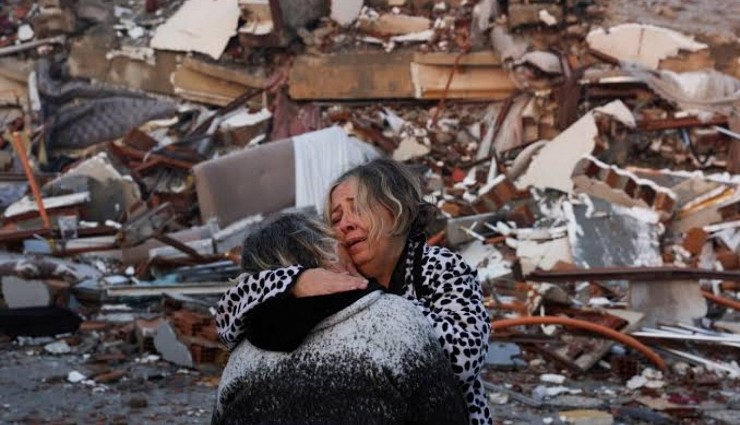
(378, 216)
(353, 357)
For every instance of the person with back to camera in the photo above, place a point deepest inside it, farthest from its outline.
(352, 357)
(377, 213)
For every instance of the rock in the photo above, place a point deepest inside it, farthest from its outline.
(552, 378)
(138, 402)
(112, 376)
(58, 347)
(170, 347)
(75, 377)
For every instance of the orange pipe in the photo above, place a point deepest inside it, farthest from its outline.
(582, 324)
(727, 302)
(18, 145)
(437, 238)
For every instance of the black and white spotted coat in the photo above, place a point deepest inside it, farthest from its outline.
(436, 280)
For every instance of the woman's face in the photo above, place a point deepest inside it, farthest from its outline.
(372, 258)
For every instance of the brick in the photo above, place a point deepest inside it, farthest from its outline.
(619, 186)
(728, 259)
(694, 240)
(495, 196)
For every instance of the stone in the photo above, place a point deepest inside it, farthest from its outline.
(58, 347)
(170, 347)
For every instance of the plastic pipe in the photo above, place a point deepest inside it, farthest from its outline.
(582, 324)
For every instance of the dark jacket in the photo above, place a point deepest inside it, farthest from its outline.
(375, 361)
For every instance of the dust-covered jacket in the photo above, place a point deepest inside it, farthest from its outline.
(374, 362)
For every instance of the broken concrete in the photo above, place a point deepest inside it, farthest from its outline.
(21, 293)
(191, 29)
(645, 45)
(170, 347)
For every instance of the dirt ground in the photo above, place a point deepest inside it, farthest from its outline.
(35, 387)
(36, 390)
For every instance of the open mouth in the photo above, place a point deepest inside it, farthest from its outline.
(353, 242)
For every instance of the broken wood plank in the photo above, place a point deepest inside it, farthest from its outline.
(482, 58)
(352, 76)
(471, 82)
(204, 88)
(390, 24)
(230, 74)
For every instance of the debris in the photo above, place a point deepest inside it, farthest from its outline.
(38, 321)
(504, 355)
(586, 417)
(645, 45)
(555, 162)
(551, 378)
(525, 13)
(389, 24)
(58, 347)
(75, 377)
(724, 416)
(471, 82)
(170, 347)
(575, 402)
(20, 293)
(191, 29)
(588, 175)
(345, 12)
(667, 302)
(344, 76)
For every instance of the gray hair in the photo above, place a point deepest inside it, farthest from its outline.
(288, 239)
(385, 183)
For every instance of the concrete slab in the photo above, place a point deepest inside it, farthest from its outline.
(22, 293)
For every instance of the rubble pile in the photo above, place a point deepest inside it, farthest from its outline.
(589, 168)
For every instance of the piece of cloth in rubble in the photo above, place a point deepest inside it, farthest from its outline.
(374, 362)
(436, 280)
(283, 322)
(321, 157)
(81, 114)
(38, 321)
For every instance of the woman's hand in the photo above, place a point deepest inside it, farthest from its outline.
(344, 264)
(314, 282)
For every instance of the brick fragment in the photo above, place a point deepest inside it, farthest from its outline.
(694, 240)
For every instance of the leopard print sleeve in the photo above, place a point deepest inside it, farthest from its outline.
(453, 304)
(250, 291)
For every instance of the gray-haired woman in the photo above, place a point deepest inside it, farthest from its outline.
(353, 357)
(377, 214)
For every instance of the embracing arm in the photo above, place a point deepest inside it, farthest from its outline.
(269, 285)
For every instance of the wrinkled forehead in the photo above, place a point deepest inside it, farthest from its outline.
(343, 191)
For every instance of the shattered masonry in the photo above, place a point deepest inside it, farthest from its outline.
(584, 156)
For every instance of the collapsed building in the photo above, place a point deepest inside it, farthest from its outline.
(587, 166)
